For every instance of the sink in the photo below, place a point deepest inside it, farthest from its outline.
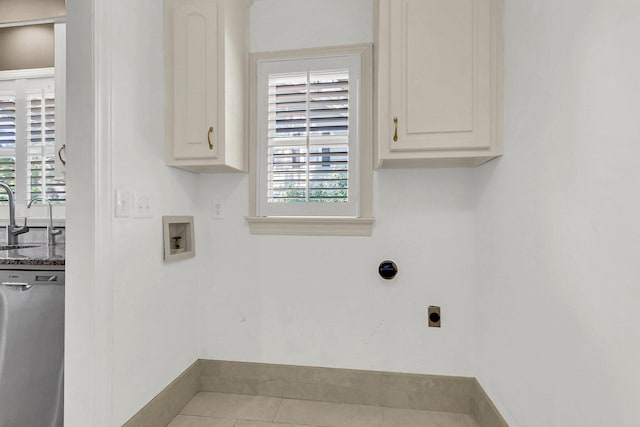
(10, 247)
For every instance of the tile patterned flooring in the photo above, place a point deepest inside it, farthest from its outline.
(210, 409)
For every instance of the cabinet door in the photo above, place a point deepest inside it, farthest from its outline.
(440, 75)
(195, 80)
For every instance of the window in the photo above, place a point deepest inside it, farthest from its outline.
(311, 139)
(27, 137)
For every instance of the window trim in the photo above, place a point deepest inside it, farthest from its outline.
(30, 73)
(360, 225)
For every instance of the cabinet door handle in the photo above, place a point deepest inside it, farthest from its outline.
(395, 123)
(64, 147)
(209, 138)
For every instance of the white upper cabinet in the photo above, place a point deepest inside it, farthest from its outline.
(439, 82)
(206, 49)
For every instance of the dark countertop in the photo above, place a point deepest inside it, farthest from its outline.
(39, 257)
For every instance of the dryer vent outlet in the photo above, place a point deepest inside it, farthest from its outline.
(434, 316)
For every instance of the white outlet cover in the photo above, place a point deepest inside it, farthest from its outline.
(141, 205)
(217, 209)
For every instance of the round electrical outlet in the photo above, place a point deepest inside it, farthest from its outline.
(434, 317)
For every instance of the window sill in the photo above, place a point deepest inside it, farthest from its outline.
(310, 226)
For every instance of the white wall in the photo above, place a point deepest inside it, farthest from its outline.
(319, 300)
(131, 323)
(155, 325)
(557, 220)
(541, 243)
(298, 24)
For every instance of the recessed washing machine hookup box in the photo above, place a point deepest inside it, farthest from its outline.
(178, 237)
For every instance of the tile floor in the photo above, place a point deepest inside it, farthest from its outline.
(209, 409)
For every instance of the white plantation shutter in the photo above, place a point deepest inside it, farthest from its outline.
(308, 137)
(27, 135)
(7, 142)
(41, 149)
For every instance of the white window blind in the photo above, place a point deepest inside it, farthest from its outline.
(309, 137)
(27, 139)
(7, 142)
(41, 148)
(308, 142)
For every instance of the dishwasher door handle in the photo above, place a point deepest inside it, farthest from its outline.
(23, 286)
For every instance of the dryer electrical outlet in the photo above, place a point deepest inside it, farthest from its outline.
(434, 316)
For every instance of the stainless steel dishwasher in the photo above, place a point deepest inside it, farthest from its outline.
(31, 348)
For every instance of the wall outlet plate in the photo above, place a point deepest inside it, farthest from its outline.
(141, 205)
(217, 209)
(434, 316)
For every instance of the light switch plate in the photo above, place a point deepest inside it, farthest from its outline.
(123, 204)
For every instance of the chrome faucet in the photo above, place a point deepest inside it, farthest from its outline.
(51, 232)
(12, 229)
